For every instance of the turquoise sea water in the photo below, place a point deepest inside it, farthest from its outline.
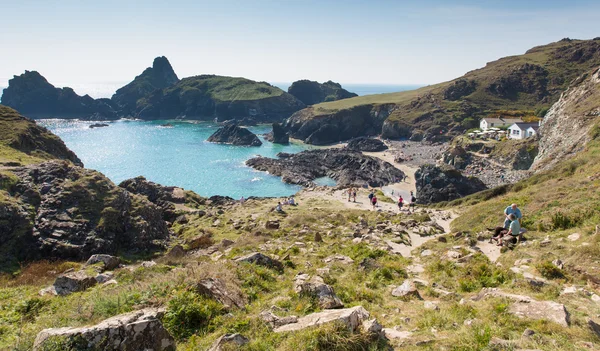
(178, 155)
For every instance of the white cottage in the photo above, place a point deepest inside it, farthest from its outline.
(487, 123)
(522, 130)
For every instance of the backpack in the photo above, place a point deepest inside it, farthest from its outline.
(371, 196)
(413, 199)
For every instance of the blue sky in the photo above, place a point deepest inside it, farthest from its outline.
(379, 42)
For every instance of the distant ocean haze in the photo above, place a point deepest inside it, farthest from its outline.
(107, 89)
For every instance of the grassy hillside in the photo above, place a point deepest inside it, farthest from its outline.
(529, 82)
(222, 88)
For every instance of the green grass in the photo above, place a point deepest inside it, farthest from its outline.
(222, 88)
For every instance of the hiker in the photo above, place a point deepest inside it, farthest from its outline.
(374, 201)
(349, 194)
(354, 190)
(512, 209)
(371, 194)
(413, 202)
(400, 203)
(514, 231)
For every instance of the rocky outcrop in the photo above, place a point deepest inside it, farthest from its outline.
(305, 285)
(261, 260)
(460, 88)
(346, 167)
(229, 342)
(444, 183)
(68, 283)
(139, 330)
(108, 262)
(235, 135)
(216, 288)
(32, 95)
(334, 126)
(161, 75)
(567, 127)
(366, 145)
(207, 97)
(311, 92)
(278, 135)
(58, 210)
(350, 317)
(25, 135)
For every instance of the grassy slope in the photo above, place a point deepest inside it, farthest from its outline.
(546, 56)
(222, 88)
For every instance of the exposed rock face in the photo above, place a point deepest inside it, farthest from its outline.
(164, 196)
(207, 97)
(311, 92)
(139, 330)
(407, 289)
(278, 135)
(528, 78)
(346, 167)
(444, 183)
(58, 210)
(337, 126)
(316, 287)
(235, 135)
(216, 289)
(460, 88)
(32, 95)
(261, 260)
(567, 126)
(68, 283)
(161, 75)
(108, 262)
(366, 145)
(351, 317)
(229, 341)
(26, 136)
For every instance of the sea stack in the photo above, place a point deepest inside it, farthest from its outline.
(278, 135)
(234, 135)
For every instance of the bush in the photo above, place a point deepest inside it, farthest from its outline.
(564, 221)
(334, 337)
(30, 308)
(188, 313)
(548, 270)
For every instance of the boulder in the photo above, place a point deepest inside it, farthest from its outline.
(176, 251)
(444, 183)
(109, 262)
(408, 289)
(526, 307)
(276, 321)
(366, 145)
(261, 260)
(235, 135)
(229, 342)
(272, 225)
(278, 135)
(71, 282)
(316, 287)
(215, 288)
(351, 317)
(392, 334)
(200, 241)
(138, 330)
(372, 326)
(338, 258)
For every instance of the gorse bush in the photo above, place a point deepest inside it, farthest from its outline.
(188, 313)
(548, 270)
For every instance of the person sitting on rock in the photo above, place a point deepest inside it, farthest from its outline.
(512, 209)
(513, 233)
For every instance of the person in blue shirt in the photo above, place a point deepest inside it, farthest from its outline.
(512, 209)
(514, 231)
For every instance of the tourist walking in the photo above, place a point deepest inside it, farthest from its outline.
(374, 201)
(354, 191)
(400, 203)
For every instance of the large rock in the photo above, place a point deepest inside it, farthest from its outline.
(311, 92)
(215, 288)
(278, 135)
(229, 342)
(408, 289)
(68, 212)
(139, 330)
(366, 145)
(71, 282)
(444, 183)
(526, 307)
(31, 94)
(346, 167)
(161, 75)
(565, 130)
(234, 135)
(315, 286)
(261, 260)
(109, 262)
(351, 317)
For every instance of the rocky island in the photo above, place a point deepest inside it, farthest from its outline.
(233, 134)
(278, 135)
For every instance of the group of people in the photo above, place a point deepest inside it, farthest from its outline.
(411, 204)
(352, 193)
(289, 201)
(511, 231)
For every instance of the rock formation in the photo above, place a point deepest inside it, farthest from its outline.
(444, 183)
(278, 135)
(366, 145)
(33, 96)
(568, 125)
(58, 210)
(311, 92)
(161, 75)
(234, 135)
(346, 167)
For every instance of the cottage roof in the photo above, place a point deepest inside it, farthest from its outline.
(524, 126)
(503, 120)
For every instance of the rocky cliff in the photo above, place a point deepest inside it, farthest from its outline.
(32, 95)
(571, 122)
(525, 83)
(278, 135)
(311, 92)
(161, 75)
(444, 183)
(23, 141)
